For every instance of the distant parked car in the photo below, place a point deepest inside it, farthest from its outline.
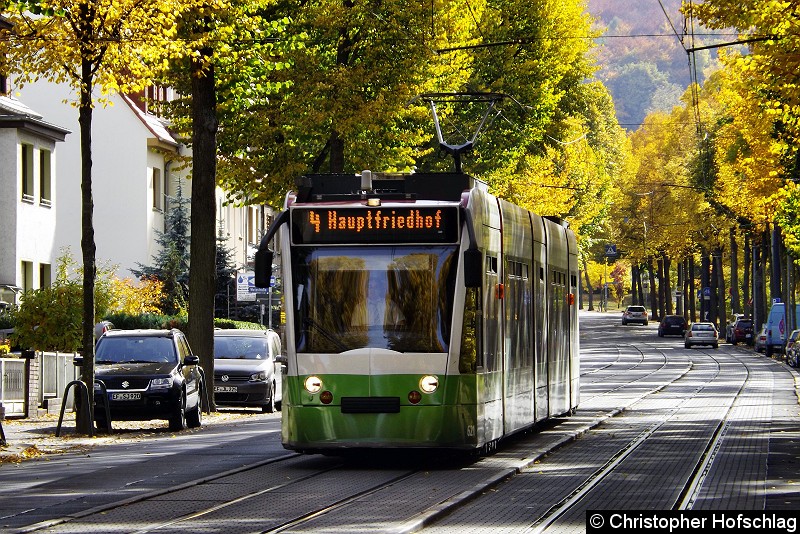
(760, 343)
(635, 314)
(672, 325)
(742, 331)
(247, 368)
(793, 348)
(729, 326)
(701, 334)
(148, 374)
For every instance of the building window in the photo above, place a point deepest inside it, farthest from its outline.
(44, 275)
(158, 190)
(45, 190)
(27, 276)
(27, 172)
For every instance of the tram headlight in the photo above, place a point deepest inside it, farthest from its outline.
(428, 383)
(313, 384)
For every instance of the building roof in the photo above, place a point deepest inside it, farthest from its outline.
(154, 124)
(15, 114)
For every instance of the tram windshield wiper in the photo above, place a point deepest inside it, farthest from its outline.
(307, 321)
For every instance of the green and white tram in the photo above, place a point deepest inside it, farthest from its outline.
(421, 312)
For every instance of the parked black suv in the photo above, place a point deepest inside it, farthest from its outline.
(148, 374)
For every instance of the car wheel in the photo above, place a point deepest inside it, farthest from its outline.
(270, 407)
(195, 418)
(178, 419)
(645, 323)
(715, 345)
(686, 346)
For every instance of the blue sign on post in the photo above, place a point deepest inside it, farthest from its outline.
(611, 250)
(706, 293)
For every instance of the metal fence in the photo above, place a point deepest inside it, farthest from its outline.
(12, 386)
(56, 370)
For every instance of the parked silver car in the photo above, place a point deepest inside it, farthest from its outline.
(701, 334)
(247, 368)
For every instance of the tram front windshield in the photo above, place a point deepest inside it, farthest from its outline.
(390, 297)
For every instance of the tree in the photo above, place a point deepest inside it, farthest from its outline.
(225, 274)
(171, 263)
(88, 44)
(50, 318)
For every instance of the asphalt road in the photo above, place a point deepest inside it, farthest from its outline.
(659, 427)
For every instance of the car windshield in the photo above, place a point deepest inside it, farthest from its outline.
(674, 320)
(637, 309)
(398, 298)
(703, 327)
(135, 349)
(240, 348)
(744, 324)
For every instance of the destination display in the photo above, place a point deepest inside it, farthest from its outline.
(338, 225)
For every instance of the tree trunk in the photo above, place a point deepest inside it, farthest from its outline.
(759, 287)
(337, 153)
(667, 285)
(692, 290)
(653, 288)
(680, 290)
(202, 269)
(722, 314)
(660, 267)
(775, 264)
(736, 305)
(748, 303)
(88, 249)
(589, 290)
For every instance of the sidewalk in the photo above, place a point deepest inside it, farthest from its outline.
(28, 439)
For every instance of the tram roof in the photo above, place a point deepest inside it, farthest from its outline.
(387, 186)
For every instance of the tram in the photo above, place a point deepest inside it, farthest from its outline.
(421, 312)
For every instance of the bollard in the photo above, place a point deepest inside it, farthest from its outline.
(83, 389)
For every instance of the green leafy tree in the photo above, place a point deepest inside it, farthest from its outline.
(171, 263)
(51, 318)
(226, 273)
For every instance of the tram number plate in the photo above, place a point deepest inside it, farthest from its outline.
(225, 389)
(126, 396)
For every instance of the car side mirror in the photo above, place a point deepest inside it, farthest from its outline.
(191, 360)
(281, 359)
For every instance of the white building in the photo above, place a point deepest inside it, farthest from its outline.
(28, 180)
(132, 174)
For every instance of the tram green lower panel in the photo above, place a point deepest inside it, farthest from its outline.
(326, 427)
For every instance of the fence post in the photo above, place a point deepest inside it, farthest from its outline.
(2, 434)
(32, 364)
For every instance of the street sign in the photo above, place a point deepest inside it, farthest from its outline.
(611, 250)
(246, 290)
(706, 293)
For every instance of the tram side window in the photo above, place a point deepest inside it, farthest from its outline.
(491, 320)
(470, 333)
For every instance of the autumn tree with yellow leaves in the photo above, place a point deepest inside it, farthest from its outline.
(90, 45)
